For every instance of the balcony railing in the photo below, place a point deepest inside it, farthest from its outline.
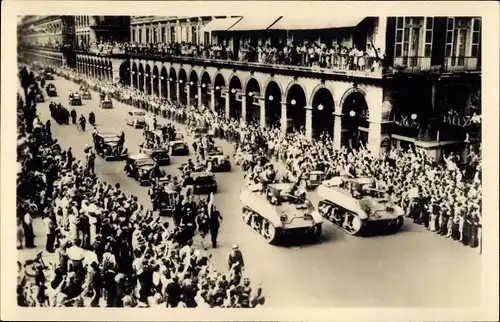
(461, 64)
(423, 64)
(377, 74)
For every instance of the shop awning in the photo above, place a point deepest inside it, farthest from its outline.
(316, 22)
(221, 24)
(254, 23)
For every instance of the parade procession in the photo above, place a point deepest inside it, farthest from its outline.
(212, 162)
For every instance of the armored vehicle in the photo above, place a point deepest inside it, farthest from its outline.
(352, 205)
(276, 211)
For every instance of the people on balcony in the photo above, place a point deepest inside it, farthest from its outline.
(313, 55)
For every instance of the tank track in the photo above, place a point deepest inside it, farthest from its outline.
(348, 221)
(260, 225)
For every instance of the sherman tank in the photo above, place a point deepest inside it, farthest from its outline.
(356, 208)
(274, 211)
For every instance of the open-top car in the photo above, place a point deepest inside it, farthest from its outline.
(178, 145)
(106, 103)
(51, 90)
(199, 131)
(136, 118)
(107, 145)
(160, 155)
(139, 167)
(86, 95)
(217, 160)
(75, 99)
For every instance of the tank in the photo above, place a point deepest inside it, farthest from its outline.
(273, 212)
(356, 208)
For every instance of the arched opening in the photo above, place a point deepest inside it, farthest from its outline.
(156, 79)
(141, 78)
(354, 120)
(173, 87)
(205, 91)
(295, 111)
(273, 104)
(322, 113)
(235, 98)
(134, 75)
(252, 101)
(193, 88)
(124, 74)
(219, 99)
(148, 79)
(163, 80)
(182, 87)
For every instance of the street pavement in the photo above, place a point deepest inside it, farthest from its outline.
(409, 269)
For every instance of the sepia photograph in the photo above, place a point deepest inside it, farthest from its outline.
(214, 157)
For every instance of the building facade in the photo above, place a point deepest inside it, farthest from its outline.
(93, 29)
(422, 95)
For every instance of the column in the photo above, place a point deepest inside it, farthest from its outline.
(177, 89)
(262, 111)
(337, 131)
(374, 137)
(199, 35)
(199, 96)
(284, 118)
(212, 99)
(168, 89)
(132, 76)
(308, 122)
(380, 34)
(159, 87)
(188, 94)
(244, 108)
(227, 105)
(145, 83)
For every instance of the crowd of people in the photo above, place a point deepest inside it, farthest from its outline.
(107, 249)
(445, 197)
(318, 55)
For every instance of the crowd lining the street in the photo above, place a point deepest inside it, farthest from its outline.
(109, 251)
(445, 198)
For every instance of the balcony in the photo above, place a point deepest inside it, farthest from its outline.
(299, 71)
(419, 64)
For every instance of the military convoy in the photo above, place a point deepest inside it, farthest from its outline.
(275, 211)
(356, 208)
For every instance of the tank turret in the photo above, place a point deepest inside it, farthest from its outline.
(355, 207)
(277, 211)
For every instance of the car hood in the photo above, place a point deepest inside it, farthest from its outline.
(145, 167)
(176, 143)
